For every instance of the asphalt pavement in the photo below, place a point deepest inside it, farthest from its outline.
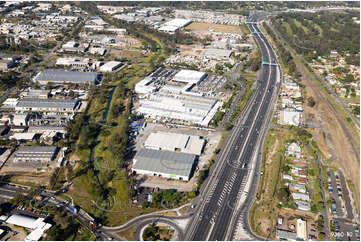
(219, 201)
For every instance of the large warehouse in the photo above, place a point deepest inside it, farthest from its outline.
(36, 225)
(35, 155)
(110, 66)
(47, 105)
(173, 165)
(190, 76)
(174, 25)
(62, 76)
(190, 144)
(186, 108)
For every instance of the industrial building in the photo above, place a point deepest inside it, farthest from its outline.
(20, 119)
(190, 144)
(166, 164)
(47, 105)
(181, 107)
(35, 93)
(61, 76)
(174, 25)
(43, 129)
(190, 76)
(73, 61)
(35, 154)
(110, 66)
(36, 225)
(145, 86)
(23, 136)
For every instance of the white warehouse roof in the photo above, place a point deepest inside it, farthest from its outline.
(110, 66)
(174, 25)
(184, 143)
(178, 22)
(22, 221)
(189, 76)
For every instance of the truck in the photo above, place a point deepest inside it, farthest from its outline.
(73, 209)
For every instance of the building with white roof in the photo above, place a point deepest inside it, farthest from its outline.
(144, 86)
(73, 61)
(23, 136)
(303, 206)
(37, 225)
(110, 66)
(97, 50)
(181, 107)
(183, 143)
(300, 196)
(301, 229)
(20, 119)
(190, 76)
(174, 25)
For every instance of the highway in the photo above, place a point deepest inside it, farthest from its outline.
(219, 204)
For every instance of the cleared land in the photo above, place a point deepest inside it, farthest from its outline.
(195, 26)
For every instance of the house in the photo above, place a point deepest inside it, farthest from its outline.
(287, 177)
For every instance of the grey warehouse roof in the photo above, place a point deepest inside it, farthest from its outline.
(164, 162)
(35, 152)
(67, 76)
(47, 103)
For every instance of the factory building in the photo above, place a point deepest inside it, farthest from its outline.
(35, 93)
(174, 25)
(166, 164)
(36, 225)
(20, 119)
(73, 61)
(47, 105)
(38, 155)
(189, 76)
(110, 66)
(61, 76)
(186, 108)
(145, 86)
(190, 144)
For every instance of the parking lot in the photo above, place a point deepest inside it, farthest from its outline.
(341, 208)
(345, 231)
(335, 193)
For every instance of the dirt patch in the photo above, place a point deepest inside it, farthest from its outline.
(195, 26)
(266, 226)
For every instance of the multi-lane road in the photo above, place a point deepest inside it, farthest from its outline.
(220, 202)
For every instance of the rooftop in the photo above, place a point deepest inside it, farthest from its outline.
(172, 142)
(164, 162)
(47, 103)
(66, 76)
